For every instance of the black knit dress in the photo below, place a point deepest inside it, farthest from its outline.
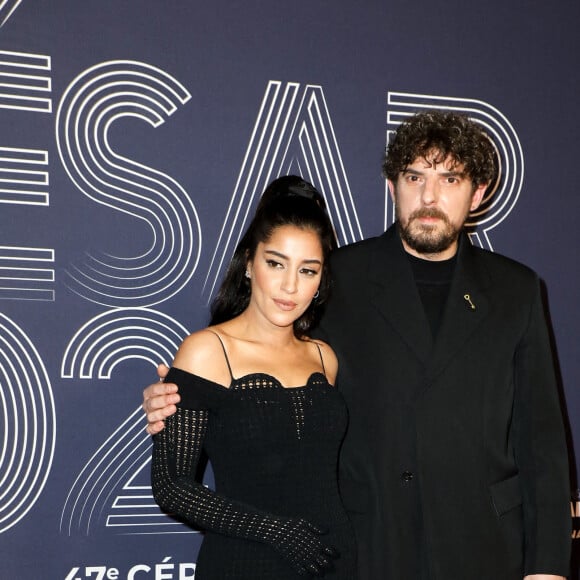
(274, 454)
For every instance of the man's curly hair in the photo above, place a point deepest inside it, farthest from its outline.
(439, 135)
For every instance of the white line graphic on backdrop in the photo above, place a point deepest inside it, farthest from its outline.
(103, 492)
(293, 133)
(19, 281)
(134, 510)
(95, 100)
(29, 424)
(7, 8)
(118, 335)
(25, 81)
(21, 180)
(497, 203)
(25, 85)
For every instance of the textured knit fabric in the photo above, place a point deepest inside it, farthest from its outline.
(274, 454)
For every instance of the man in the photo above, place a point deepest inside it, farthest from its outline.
(454, 465)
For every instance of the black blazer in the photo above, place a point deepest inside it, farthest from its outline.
(455, 459)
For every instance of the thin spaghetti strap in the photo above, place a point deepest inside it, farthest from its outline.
(225, 352)
(321, 359)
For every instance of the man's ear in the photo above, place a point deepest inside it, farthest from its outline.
(477, 196)
(391, 187)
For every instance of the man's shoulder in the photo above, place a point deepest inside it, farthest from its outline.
(358, 250)
(503, 266)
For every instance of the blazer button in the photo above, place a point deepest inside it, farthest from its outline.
(407, 476)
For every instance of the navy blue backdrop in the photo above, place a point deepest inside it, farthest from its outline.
(135, 137)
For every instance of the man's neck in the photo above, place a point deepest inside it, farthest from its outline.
(446, 254)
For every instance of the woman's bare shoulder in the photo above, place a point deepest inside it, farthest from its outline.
(329, 358)
(202, 354)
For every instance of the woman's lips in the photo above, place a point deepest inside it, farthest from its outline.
(285, 304)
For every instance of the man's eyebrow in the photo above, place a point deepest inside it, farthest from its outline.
(284, 257)
(451, 173)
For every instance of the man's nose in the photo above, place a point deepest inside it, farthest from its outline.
(430, 192)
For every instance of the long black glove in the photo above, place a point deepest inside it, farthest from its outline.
(176, 454)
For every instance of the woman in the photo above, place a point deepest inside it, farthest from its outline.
(257, 397)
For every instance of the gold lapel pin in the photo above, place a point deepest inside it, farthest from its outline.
(467, 299)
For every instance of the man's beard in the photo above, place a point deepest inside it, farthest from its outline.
(427, 239)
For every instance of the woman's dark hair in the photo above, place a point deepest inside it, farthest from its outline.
(287, 201)
(446, 135)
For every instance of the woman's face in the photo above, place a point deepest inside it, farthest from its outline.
(285, 274)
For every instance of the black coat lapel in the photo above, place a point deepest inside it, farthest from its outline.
(467, 306)
(395, 294)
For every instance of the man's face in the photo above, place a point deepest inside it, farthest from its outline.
(432, 202)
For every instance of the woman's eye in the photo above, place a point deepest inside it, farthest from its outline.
(273, 264)
(309, 272)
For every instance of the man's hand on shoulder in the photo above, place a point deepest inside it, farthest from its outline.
(159, 400)
(201, 354)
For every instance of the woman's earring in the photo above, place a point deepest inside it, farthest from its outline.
(247, 274)
(316, 295)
